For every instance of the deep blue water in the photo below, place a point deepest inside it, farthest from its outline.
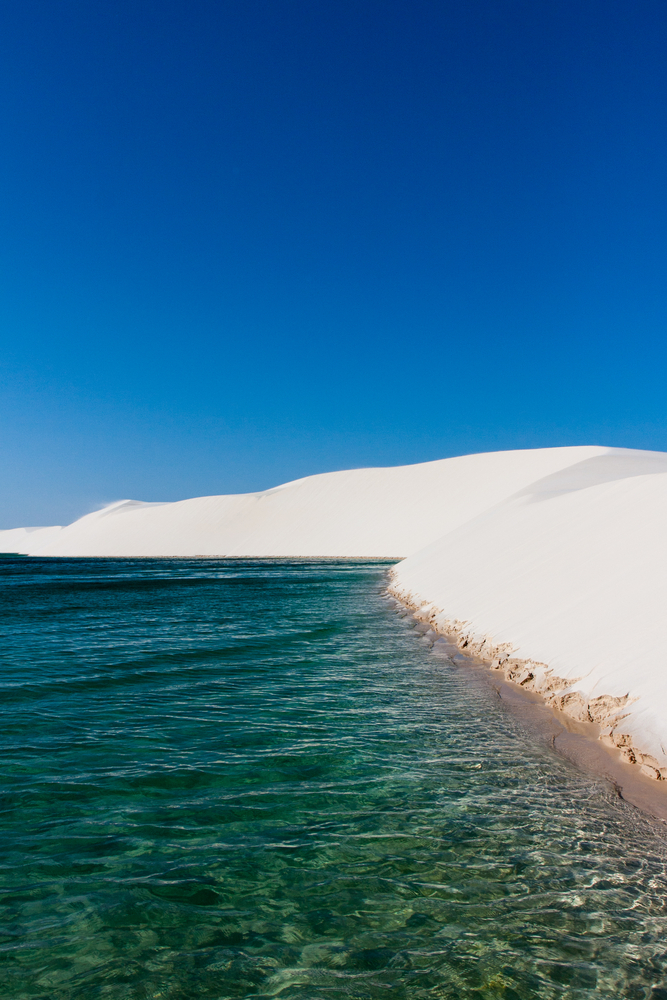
(227, 779)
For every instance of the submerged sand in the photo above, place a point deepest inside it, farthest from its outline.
(577, 741)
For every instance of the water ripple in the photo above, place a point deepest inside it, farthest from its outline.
(228, 779)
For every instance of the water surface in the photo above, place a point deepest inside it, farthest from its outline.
(226, 779)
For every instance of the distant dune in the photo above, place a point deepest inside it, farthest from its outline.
(24, 540)
(362, 512)
(551, 564)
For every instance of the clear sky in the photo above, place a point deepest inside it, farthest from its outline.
(243, 241)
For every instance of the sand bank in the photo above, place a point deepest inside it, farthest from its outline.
(577, 741)
(563, 589)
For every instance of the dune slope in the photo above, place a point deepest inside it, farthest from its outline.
(362, 512)
(564, 587)
(22, 541)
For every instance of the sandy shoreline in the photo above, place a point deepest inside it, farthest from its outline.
(563, 588)
(576, 741)
(549, 564)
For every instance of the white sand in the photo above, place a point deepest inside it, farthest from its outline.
(571, 574)
(24, 540)
(363, 512)
(553, 562)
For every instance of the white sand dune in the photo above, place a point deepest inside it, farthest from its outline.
(564, 586)
(552, 563)
(24, 540)
(362, 512)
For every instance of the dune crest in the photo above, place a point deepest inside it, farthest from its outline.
(360, 512)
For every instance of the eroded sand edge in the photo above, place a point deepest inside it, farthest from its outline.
(560, 694)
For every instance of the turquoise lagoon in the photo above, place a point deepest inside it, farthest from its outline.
(226, 779)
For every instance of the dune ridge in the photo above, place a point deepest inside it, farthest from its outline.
(360, 512)
(550, 564)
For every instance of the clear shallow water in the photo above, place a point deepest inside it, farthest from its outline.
(224, 779)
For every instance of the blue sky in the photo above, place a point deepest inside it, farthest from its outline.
(243, 242)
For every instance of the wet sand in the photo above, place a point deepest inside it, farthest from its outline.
(576, 741)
